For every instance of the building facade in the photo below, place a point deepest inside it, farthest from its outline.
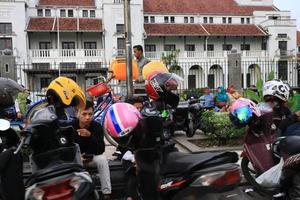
(78, 39)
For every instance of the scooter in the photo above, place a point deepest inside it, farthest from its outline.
(56, 165)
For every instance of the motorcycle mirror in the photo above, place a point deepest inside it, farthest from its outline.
(4, 125)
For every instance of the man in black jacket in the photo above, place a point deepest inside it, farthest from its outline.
(90, 138)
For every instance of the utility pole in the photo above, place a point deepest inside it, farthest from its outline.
(127, 20)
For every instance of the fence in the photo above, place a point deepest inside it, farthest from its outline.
(36, 77)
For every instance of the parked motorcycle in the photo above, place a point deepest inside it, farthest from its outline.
(56, 165)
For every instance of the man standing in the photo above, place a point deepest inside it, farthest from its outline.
(141, 60)
(90, 139)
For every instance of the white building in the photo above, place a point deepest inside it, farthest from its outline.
(79, 38)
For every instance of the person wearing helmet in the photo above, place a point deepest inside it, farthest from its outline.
(276, 93)
(159, 88)
(64, 93)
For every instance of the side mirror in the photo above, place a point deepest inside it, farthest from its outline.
(4, 125)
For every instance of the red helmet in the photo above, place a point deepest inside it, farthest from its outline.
(160, 85)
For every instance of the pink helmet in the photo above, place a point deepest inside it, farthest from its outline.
(245, 102)
(121, 119)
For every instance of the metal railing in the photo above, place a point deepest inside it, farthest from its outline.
(53, 53)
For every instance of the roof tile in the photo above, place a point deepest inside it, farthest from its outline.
(218, 7)
(234, 30)
(67, 2)
(298, 37)
(174, 29)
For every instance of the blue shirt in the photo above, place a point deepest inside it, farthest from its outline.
(207, 100)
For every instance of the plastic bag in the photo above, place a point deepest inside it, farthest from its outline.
(271, 178)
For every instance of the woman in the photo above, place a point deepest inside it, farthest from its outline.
(221, 97)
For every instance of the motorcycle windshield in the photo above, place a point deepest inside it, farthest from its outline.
(55, 157)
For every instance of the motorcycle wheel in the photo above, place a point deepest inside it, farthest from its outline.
(190, 132)
(250, 174)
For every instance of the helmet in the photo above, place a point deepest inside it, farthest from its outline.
(241, 112)
(160, 85)
(8, 92)
(64, 92)
(120, 119)
(277, 88)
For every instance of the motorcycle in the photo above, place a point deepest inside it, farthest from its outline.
(187, 116)
(57, 170)
(11, 164)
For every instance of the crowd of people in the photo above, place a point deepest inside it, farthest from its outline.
(221, 101)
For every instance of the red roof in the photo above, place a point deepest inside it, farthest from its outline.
(204, 29)
(67, 3)
(298, 37)
(234, 30)
(217, 7)
(40, 24)
(65, 25)
(174, 29)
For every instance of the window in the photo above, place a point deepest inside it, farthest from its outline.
(68, 45)
(186, 20)
(85, 13)
(227, 47)
(189, 47)
(224, 20)
(146, 19)
(242, 20)
(169, 47)
(192, 20)
(281, 35)
(172, 19)
(45, 82)
(273, 17)
(45, 45)
(120, 28)
(5, 43)
(121, 43)
(211, 20)
(90, 45)
(6, 68)
(92, 14)
(152, 19)
(248, 20)
(40, 12)
(70, 13)
(150, 47)
(264, 46)
(299, 49)
(166, 19)
(5, 28)
(245, 47)
(210, 47)
(63, 13)
(205, 20)
(229, 20)
(48, 13)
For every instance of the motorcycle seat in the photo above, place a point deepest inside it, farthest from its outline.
(291, 145)
(181, 163)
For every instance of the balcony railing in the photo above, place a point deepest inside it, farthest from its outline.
(68, 53)
(278, 22)
(205, 54)
(285, 53)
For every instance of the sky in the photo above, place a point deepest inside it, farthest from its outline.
(292, 5)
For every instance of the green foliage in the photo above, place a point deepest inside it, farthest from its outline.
(217, 126)
(271, 76)
(294, 102)
(170, 58)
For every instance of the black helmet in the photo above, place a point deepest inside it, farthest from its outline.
(160, 86)
(8, 92)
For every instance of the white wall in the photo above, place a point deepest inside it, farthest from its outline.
(14, 12)
(113, 14)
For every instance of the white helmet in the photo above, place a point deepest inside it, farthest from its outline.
(277, 88)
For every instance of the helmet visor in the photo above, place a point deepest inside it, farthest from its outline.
(173, 82)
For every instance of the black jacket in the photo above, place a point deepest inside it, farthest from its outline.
(90, 145)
